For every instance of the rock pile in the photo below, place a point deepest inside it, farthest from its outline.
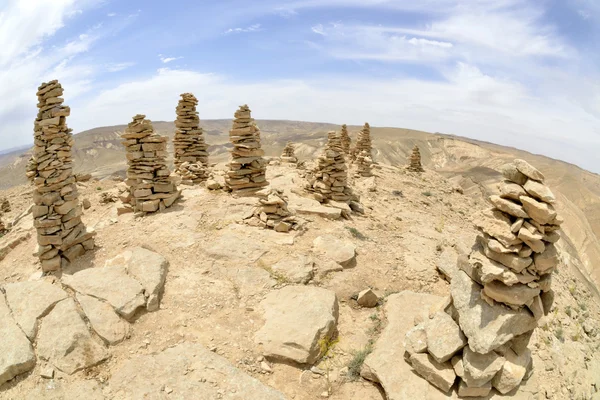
(345, 138)
(247, 168)
(4, 205)
(148, 177)
(363, 142)
(501, 290)
(288, 154)
(364, 164)
(415, 161)
(3, 228)
(329, 180)
(191, 155)
(31, 169)
(272, 212)
(57, 213)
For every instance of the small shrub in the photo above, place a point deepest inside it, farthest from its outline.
(560, 333)
(398, 193)
(427, 194)
(583, 306)
(326, 344)
(356, 233)
(98, 188)
(576, 336)
(572, 288)
(568, 311)
(356, 363)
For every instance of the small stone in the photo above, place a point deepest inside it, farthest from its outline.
(416, 339)
(86, 204)
(480, 368)
(512, 372)
(466, 391)
(542, 213)
(517, 295)
(47, 372)
(441, 375)
(367, 298)
(444, 337)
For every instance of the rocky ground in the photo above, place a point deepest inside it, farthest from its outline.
(234, 294)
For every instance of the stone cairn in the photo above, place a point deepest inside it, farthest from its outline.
(415, 161)
(364, 164)
(499, 293)
(329, 179)
(247, 168)
(191, 155)
(272, 212)
(363, 143)
(31, 169)
(150, 187)
(4, 205)
(345, 138)
(288, 155)
(57, 213)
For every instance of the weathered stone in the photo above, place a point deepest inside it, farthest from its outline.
(65, 341)
(509, 207)
(547, 260)
(486, 327)
(512, 372)
(416, 339)
(297, 320)
(510, 260)
(341, 251)
(444, 337)
(16, 353)
(509, 190)
(297, 269)
(148, 268)
(480, 368)
(457, 364)
(466, 391)
(190, 371)
(367, 298)
(517, 294)
(533, 240)
(112, 284)
(539, 191)
(447, 263)
(103, 319)
(497, 225)
(540, 212)
(528, 170)
(511, 173)
(31, 300)
(441, 375)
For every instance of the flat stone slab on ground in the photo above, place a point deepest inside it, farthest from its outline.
(341, 251)
(64, 340)
(103, 319)
(297, 269)
(16, 353)
(191, 372)
(297, 319)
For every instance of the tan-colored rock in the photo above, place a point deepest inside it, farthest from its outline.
(512, 372)
(364, 164)
(441, 375)
(272, 212)
(528, 170)
(191, 154)
(539, 191)
(516, 295)
(288, 155)
(543, 213)
(367, 298)
(466, 391)
(480, 368)
(444, 337)
(512, 174)
(415, 161)
(546, 261)
(498, 225)
(510, 190)
(509, 207)
(416, 339)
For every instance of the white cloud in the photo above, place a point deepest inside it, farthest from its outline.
(318, 29)
(166, 60)
(115, 67)
(112, 14)
(251, 28)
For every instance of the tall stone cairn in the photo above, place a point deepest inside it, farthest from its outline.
(191, 155)
(148, 177)
(414, 164)
(57, 213)
(363, 143)
(288, 155)
(329, 180)
(498, 295)
(345, 138)
(247, 168)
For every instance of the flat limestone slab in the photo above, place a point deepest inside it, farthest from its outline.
(103, 319)
(191, 372)
(16, 353)
(386, 363)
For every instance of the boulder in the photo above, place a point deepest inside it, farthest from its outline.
(444, 337)
(148, 268)
(297, 269)
(384, 365)
(189, 371)
(111, 284)
(542, 213)
(441, 375)
(480, 368)
(64, 340)
(298, 321)
(30, 300)
(509, 207)
(509, 190)
(539, 191)
(341, 251)
(528, 170)
(103, 319)
(486, 327)
(367, 298)
(512, 372)
(516, 295)
(16, 353)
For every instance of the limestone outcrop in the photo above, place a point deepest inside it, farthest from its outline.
(415, 161)
(191, 155)
(61, 234)
(496, 296)
(150, 187)
(247, 168)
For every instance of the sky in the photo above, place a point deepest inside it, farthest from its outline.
(522, 73)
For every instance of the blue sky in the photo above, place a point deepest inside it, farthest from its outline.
(514, 72)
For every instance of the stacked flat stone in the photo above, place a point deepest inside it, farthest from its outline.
(31, 169)
(345, 138)
(272, 212)
(288, 155)
(329, 180)
(363, 142)
(415, 161)
(364, 164)
(148, 177)
(57, 213)
(191, 155)
(247, 168)
(501, 290)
